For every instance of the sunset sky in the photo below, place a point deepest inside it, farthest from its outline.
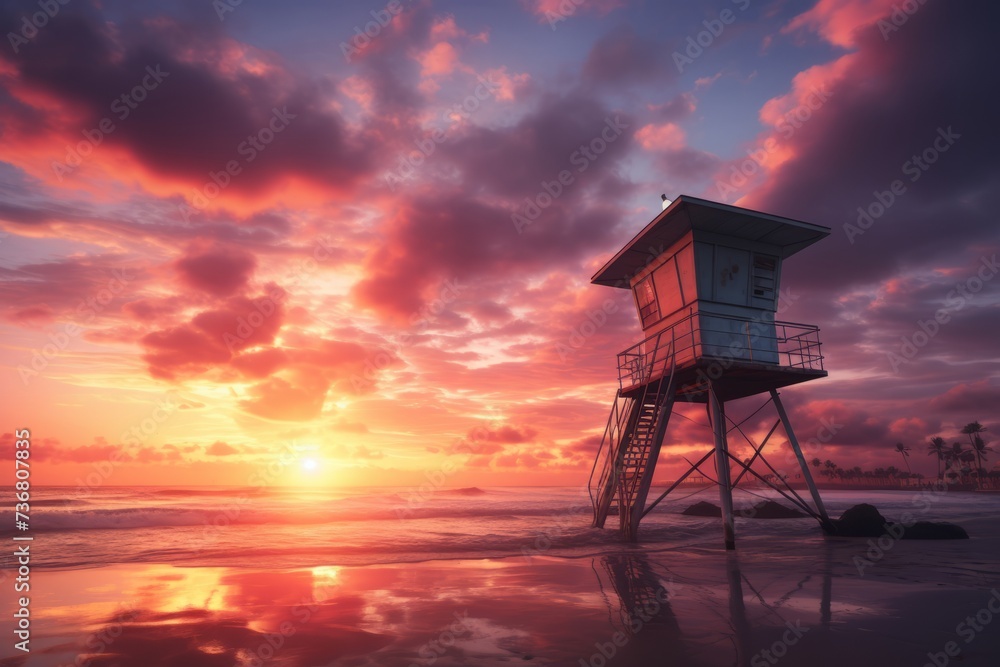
(240, 235)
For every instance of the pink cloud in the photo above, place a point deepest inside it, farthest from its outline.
(33, 315)
(972, 399)
(547, 9)
(787, 113)
(359, 90)
(839, 20)
(509, 87)
(664, 137)
(677, 108)
(295, 396)
(445, 28)
(439, 60)
(213, 337)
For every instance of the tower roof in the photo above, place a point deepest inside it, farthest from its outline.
(688, 213)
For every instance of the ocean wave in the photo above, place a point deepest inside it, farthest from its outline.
(371, 526)
(184, 493)
(243, 512)
(193, 552)
(58, 502)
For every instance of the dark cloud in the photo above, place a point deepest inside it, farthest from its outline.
(218, 271)
(556, 136)
(443, 233)
(893, 100)
(676, 109)
(190, 105)
(79, 289)
(623, 56)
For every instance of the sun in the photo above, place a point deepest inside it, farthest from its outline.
(309, 464)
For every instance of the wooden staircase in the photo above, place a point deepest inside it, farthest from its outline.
(630, 447)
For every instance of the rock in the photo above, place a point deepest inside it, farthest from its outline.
(768, 509)
(862, 520)
(866, 521)
(703, 508)
(935, 530)
(467, 491)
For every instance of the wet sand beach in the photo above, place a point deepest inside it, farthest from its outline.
(792, 602)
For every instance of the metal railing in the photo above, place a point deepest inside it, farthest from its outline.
(613, 434)
(732, 339)
(621, 424)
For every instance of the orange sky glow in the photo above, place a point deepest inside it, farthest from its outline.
(276, 265)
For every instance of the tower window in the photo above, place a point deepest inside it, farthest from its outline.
(645, 298)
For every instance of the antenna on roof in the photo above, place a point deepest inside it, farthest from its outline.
(666, 202)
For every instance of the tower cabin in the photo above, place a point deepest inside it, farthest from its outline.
(706, 281)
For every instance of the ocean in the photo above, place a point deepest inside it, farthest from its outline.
(293, 528)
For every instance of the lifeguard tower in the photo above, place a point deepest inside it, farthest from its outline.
(705, 277)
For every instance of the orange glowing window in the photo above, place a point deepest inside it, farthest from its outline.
(645, 298)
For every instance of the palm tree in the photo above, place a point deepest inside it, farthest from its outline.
(905, 452)
(968, 458)
(979, 446)
(951, 456)
(816, 463)
(939, 448)
(973, 429)
(955, 453)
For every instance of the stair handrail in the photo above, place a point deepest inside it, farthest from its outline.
(604, 437)
(612, 434)
(661, 387)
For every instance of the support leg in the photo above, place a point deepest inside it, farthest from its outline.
(718, 414)
(802, 459)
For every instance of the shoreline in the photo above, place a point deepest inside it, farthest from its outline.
(507, 579)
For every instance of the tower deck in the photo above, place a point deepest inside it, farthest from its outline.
(758, 357)
(741, 379)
